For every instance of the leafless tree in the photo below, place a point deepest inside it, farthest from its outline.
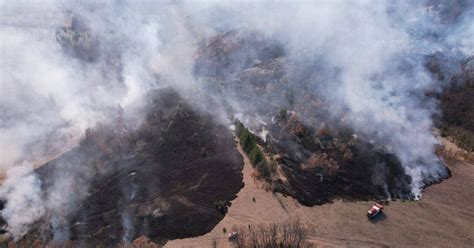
(284, 234)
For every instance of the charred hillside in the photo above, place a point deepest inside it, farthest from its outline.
(171, 178)
(313, 153)
(322, 166)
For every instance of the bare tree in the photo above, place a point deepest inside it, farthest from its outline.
(285, 234)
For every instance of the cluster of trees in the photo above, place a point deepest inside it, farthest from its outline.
(249, 144)
(287, 234)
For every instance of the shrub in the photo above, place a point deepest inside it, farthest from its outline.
(247, 140)
(264, 170)
(256, 156)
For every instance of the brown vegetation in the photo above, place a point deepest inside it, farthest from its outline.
(321, 159)
(140, 242)
(287, 234)
(462, 137)
(457, 104)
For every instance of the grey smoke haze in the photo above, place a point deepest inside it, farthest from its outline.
(49, 97)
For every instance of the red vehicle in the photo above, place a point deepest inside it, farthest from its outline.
(375, 210)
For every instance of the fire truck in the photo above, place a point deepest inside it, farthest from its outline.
(375, 210)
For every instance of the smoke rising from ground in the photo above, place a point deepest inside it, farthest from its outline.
(51, 93)
(22, 188)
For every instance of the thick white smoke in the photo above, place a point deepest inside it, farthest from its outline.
(377, 49)
(22, 188)
(48, 98)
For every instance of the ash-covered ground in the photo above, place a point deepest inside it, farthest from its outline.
(171, 178)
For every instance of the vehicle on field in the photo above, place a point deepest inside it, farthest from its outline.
(375, 210)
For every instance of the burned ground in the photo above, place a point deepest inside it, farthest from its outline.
(288, 100)
(321, 168)
(171, 178)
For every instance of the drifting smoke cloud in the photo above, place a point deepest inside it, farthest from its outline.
(49, 96)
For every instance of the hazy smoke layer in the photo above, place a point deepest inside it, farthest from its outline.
(66, 66)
